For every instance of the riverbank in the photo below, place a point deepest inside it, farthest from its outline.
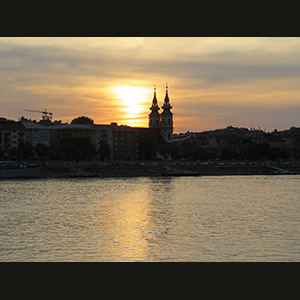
(137, 169)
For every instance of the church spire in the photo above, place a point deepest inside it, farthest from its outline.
(154, 117)
(167, 104)
(166, 126)
(154, 101)
(167, 100)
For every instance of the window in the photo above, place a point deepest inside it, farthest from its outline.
(156, 122)
(163, 121)
(169, 121)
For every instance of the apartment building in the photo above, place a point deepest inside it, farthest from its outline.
(36, 133)
(11, 134)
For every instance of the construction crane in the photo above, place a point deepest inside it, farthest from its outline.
(47, 114)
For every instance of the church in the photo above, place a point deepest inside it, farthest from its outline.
(163, 121)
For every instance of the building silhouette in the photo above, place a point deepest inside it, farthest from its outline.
(163, 121)
(125, 143)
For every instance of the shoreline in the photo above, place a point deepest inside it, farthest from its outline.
(156, 169)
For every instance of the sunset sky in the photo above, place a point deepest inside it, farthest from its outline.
(214, 82)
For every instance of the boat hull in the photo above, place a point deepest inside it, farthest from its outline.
(29, 172)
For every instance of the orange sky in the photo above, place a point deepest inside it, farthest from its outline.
(213, 82)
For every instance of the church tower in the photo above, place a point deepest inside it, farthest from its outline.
(154, 117)
(166, 124)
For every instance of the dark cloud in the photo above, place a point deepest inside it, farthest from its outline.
(211, 72)
(212, 69)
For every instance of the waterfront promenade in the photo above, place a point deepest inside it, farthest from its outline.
(155, 168)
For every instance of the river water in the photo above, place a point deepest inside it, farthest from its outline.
(209, 218)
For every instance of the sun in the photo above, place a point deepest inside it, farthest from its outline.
(131, 95)
(133, 102)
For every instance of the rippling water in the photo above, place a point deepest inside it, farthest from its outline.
(230, 218)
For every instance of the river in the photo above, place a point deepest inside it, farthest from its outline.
(206, 218)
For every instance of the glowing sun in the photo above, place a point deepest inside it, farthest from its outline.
(132, 102)
(131, 95)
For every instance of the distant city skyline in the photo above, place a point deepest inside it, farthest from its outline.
(213, 82)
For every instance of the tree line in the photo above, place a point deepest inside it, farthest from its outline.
(82, 148)
(191, 150)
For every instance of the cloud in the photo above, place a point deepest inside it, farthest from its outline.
(105, 61)
(214, 78)
(206, 116)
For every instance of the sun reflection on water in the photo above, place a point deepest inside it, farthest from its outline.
(129, 218)
(140, 219)
(151, 219)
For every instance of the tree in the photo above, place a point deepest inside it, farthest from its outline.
(69, 151)
(26, 149)
(41, 150)
(228, 152)
(104, 151)
(82, 120)
(14, 152)
(147, 148)
(75, 148)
